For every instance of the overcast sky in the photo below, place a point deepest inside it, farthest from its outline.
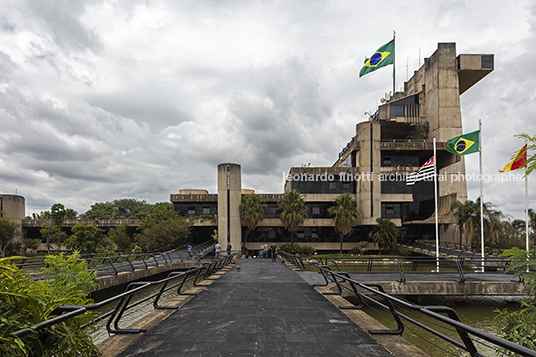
(102, 100)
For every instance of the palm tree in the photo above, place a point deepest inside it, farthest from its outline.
(345, 212)
(386, 233)
(293, 211)
(251, 212)
(464, 212)
(494, 219)
(532, 223)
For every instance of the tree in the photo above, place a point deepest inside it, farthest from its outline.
(532, 224)
(520, 326)
(53, 231)
(8, 231)
(345, 212)
(25, 302)
(88, 239)
(293, 211)
(127, 208)
(163, 227)
(386, 233)
(120, 237)
(464, 212)
(251, 212)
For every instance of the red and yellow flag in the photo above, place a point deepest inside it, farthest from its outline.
(519, 160)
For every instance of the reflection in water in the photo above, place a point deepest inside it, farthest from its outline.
(130, 316)
(476, 311)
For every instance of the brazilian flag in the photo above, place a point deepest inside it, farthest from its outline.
(464, 144)
(381, 58)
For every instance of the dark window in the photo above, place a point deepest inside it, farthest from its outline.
(316, 210)
(397, 111)
(487, 61)
(191, 211)
(332, 185)
(386, 161)
(206, 210)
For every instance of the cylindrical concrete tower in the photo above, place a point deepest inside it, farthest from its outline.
(229, 199)
(13, 206)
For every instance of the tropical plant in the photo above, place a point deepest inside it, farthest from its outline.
(31, 245)
(252, 211)
(8, 231)
(532, 224)
(386, 234)
(463, 212)
(25, 302)
(293, 211)
(345, 215)
(520, 326)
(297, 249)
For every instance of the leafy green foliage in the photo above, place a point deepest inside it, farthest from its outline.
(520, 326)
(8, 230)
(88, 239)
(251, 212)
(293, 211)
(419, 131)
(297, 249)
(120, 237)
(345, 212)
(163, 227)
(24, 303)
(127, 208)
(386, 233)
(31, 245)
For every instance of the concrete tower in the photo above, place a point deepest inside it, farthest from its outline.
(229, 198)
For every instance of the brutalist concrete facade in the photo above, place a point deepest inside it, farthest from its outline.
(379, 151)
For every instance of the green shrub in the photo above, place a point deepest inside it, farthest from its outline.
(297, 249)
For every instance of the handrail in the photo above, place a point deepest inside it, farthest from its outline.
(464, 331)
(419, 265)
(68, 311)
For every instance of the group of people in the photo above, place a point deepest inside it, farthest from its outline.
(264, 252)
(268, 251)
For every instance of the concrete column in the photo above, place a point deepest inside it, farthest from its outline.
(229, 199)
(14, 209)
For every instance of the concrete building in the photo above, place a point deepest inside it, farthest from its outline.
(372, 167)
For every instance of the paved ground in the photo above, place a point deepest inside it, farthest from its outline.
(265, 309)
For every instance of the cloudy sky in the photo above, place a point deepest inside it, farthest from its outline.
(103, 99)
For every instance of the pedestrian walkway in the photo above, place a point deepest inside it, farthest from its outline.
(263, 309)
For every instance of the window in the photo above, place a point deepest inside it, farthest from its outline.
(191, 211)
(332, 185)
(487, 61)
(316, 210)
(206, 210)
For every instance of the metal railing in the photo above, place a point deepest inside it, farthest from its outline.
(405, 266)
(374, 293)
(113, 263)
(294, 259)
(175, 279)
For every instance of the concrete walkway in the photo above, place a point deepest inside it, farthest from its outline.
(264, 309)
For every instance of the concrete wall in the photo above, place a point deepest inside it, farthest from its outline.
(14, 209)
(229, 199)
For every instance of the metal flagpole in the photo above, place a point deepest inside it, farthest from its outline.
(436, 213)
(527, 208)
(394, 67)
(481, 195)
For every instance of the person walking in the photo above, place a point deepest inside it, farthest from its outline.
(229, 247)
(217, 248)
(265, 249)
(273, 252)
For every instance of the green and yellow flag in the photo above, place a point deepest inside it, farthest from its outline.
(464, 144)
(381, 58)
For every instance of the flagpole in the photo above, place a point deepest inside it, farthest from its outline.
(394, 66)
(481, 195)
(527, 208)
(436, 213)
